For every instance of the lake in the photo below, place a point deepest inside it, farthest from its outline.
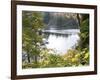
(62, 40)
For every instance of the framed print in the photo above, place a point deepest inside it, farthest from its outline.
(53, 39)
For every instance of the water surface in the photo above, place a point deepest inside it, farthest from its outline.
(62, 40)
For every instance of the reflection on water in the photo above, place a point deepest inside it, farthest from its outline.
(61, 41)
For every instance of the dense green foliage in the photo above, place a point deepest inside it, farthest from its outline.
(84, 35)
(38, 57)
(32, 24)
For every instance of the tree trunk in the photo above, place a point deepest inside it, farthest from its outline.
(28, 58)
(35, 59)
(78, 18)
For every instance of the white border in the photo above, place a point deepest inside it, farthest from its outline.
(21, 71)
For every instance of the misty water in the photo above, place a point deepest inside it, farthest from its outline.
(62, 40)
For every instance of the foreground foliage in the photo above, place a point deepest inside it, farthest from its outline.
(71, 58)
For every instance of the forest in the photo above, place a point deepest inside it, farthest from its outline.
(35, 54)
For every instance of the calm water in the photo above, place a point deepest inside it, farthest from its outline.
(62, 40)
